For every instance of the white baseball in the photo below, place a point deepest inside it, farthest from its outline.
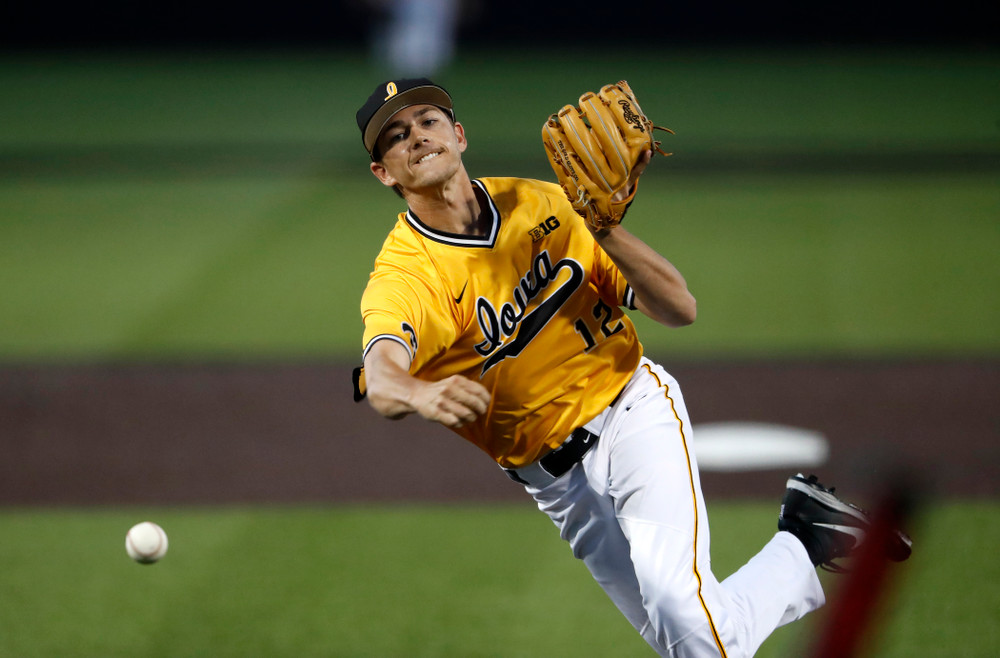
(146, 542)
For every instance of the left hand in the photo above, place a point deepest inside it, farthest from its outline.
(633, 178)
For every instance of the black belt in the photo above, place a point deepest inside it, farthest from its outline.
(558, 462)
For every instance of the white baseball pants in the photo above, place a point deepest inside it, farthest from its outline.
(633, 511)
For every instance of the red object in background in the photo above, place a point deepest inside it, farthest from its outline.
(849, 622)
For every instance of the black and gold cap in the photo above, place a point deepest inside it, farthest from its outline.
(391, 97)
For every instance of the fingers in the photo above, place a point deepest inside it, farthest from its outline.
(466, 400)
(453, 402)
(633, 178)
(640, 166)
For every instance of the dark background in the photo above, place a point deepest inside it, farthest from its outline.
(345, 23)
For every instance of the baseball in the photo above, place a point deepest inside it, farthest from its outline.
(146, 542)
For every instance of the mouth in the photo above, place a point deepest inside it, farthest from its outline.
(427, 158)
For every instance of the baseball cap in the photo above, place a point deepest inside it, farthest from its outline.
(391, 97)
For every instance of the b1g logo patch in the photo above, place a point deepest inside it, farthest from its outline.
(543, 229)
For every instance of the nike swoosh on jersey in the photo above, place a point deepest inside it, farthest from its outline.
(458, 300)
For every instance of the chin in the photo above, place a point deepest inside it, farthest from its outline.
(436, 176)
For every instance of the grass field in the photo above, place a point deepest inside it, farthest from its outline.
(165, 206)
(819, 203)
(415, 581)
(812, 265)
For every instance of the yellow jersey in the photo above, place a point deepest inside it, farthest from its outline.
(532, 310)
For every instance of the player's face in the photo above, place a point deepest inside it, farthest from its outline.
(420, 147)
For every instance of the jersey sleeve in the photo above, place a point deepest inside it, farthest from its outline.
(390, 311)
(399, 308)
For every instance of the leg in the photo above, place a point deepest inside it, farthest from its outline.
(587, 522)
(773, 589)
(653, 478)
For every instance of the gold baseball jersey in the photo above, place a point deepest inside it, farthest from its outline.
(531, 310)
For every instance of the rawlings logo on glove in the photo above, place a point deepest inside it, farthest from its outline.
(630, 116)
(593, 148)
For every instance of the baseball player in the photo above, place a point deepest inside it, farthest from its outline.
(496, 310)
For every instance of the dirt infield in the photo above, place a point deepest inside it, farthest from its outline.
(281, 433)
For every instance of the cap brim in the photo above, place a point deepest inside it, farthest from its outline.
(427, 94)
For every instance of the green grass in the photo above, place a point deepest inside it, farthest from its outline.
(831, 264)
(187, 268)
(201, 205)
(414, 581)
(113, 268)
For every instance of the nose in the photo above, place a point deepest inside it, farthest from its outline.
(417, 135)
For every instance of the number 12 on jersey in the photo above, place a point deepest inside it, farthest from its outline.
(602, 313)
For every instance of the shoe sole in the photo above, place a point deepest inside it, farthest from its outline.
(900, 546)
(828, 500)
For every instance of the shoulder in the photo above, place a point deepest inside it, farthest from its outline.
(411, 270)
(509, 193)
(500, 185)
(401, 246)
(401, 253)
(400, 289)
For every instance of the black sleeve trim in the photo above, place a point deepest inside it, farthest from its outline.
(628, 299)
(358, 379)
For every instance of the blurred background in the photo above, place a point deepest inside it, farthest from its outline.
(187, 222)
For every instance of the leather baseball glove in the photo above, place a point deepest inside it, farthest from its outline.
(593, 149)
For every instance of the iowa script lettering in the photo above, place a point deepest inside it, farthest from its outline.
(498, 326)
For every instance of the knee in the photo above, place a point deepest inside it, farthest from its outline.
(684, 622)
(703, 642)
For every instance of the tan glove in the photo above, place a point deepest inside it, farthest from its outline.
(593, 148)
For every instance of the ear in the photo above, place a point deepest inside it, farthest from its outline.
(460, 136)
(383, 175)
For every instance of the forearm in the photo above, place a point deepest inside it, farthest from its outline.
(390, 387)
(394, 392)
(660, 290)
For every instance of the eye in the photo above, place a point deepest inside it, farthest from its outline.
(393, 138)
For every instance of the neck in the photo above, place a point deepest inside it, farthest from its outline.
(450, 208)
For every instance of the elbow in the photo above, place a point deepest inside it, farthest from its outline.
(672, 313)
(692, 310)
(685, 313)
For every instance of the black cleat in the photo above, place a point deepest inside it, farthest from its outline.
(828, 527)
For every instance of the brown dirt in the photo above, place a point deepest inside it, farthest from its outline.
(226, 433)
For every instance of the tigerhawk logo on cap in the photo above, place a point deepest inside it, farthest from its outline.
(391, 90)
